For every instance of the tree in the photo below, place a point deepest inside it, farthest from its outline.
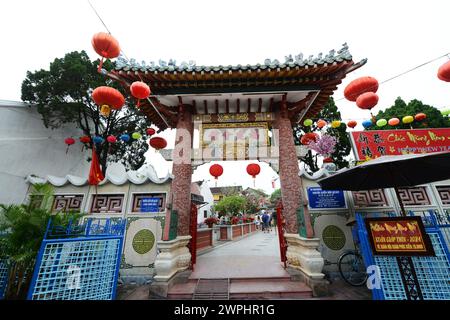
(329, 113)
(230, 205)
(23, 228)
(275, 196)
(63, 95)
(400, 109)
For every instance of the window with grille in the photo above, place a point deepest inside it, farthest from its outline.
(107, 203)
(137, 197)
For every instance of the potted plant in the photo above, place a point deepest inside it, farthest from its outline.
(211, 221)
(235, 220)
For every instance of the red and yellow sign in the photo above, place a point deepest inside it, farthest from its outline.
(373, 144)
(399, 236)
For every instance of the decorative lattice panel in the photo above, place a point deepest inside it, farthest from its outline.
(81, 268)
(67, 203)
(370, 198)
(333, 237)
(414, 196)
(444, 194)
(3, 278)
(107, 203)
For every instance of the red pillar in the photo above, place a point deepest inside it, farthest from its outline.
(292, 193)
(182, 171)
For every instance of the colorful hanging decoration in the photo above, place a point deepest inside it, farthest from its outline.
(367, 100)
(420, 116)
(359, 86)
(216, 170)
(381, 122)
(321, 123)
(105, 110)
(150, 131)
(407, 119)
(106, 46)
(309, 137)
(307, 122)
(328, 160)
(352, 123)
(140, 90)
(394, 122)
(111, 139)
(367, 123)
(69, 142)
(444, 72)
(95, 173)
(335, 124)
(125, 137)
(108, 96)
(98, 140)
(253, 169)
(136, 135)
(85, 139)
(158, 143)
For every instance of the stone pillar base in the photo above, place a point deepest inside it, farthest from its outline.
(174, 257)
(305, 263)
(160, 289)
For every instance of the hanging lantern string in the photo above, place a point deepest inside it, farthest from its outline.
(405, 72)
(126, 57)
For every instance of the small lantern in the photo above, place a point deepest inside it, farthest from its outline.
(69, 142)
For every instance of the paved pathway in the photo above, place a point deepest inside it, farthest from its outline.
(255, 256)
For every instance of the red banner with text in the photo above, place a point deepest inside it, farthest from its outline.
(373, 144)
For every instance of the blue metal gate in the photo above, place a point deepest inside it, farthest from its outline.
(433, 273)
(3, 278)
(79, 262)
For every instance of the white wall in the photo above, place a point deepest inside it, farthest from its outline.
(27, 147)
(208, 197)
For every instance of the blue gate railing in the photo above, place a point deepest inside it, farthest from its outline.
(433, 273)
(79, 262)
(3, 278)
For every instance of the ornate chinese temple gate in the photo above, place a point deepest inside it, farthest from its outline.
(241, 113)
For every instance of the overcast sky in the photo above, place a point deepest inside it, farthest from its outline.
(394, 36)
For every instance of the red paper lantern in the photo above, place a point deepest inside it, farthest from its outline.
(108, 96)
(111, 139)
(328, 160)
(85, 139)
(253, 169)
(420, 116)
(321, 123)
(150, 131)
(393, 122)
(444, 72)
(216, 171)
(158, 143)
(352, 123)
(367, 100)
(309, 137)
(359, 86)
(140, 90)
(106, 45)
(69, 142)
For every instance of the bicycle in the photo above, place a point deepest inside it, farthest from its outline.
(351, 265)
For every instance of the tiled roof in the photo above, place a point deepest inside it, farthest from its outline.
(297, 61)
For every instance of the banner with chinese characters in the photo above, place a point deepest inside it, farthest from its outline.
(376, 143)
(398, 236)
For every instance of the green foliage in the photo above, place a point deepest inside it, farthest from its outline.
(63, 95)
(230, 205)
(23, 228)
(275, 196)
(400, 109)
(329, 113)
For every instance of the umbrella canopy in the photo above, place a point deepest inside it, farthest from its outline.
(391, 172)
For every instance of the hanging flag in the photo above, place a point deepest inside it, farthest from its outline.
(95, 174)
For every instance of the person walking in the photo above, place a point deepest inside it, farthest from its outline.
(265, 220)
(257, 222)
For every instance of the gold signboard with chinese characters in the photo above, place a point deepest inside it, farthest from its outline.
(233, 140)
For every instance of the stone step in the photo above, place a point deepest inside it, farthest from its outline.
(245, 288)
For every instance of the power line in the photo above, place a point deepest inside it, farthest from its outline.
(123, 53)
(406, 72)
